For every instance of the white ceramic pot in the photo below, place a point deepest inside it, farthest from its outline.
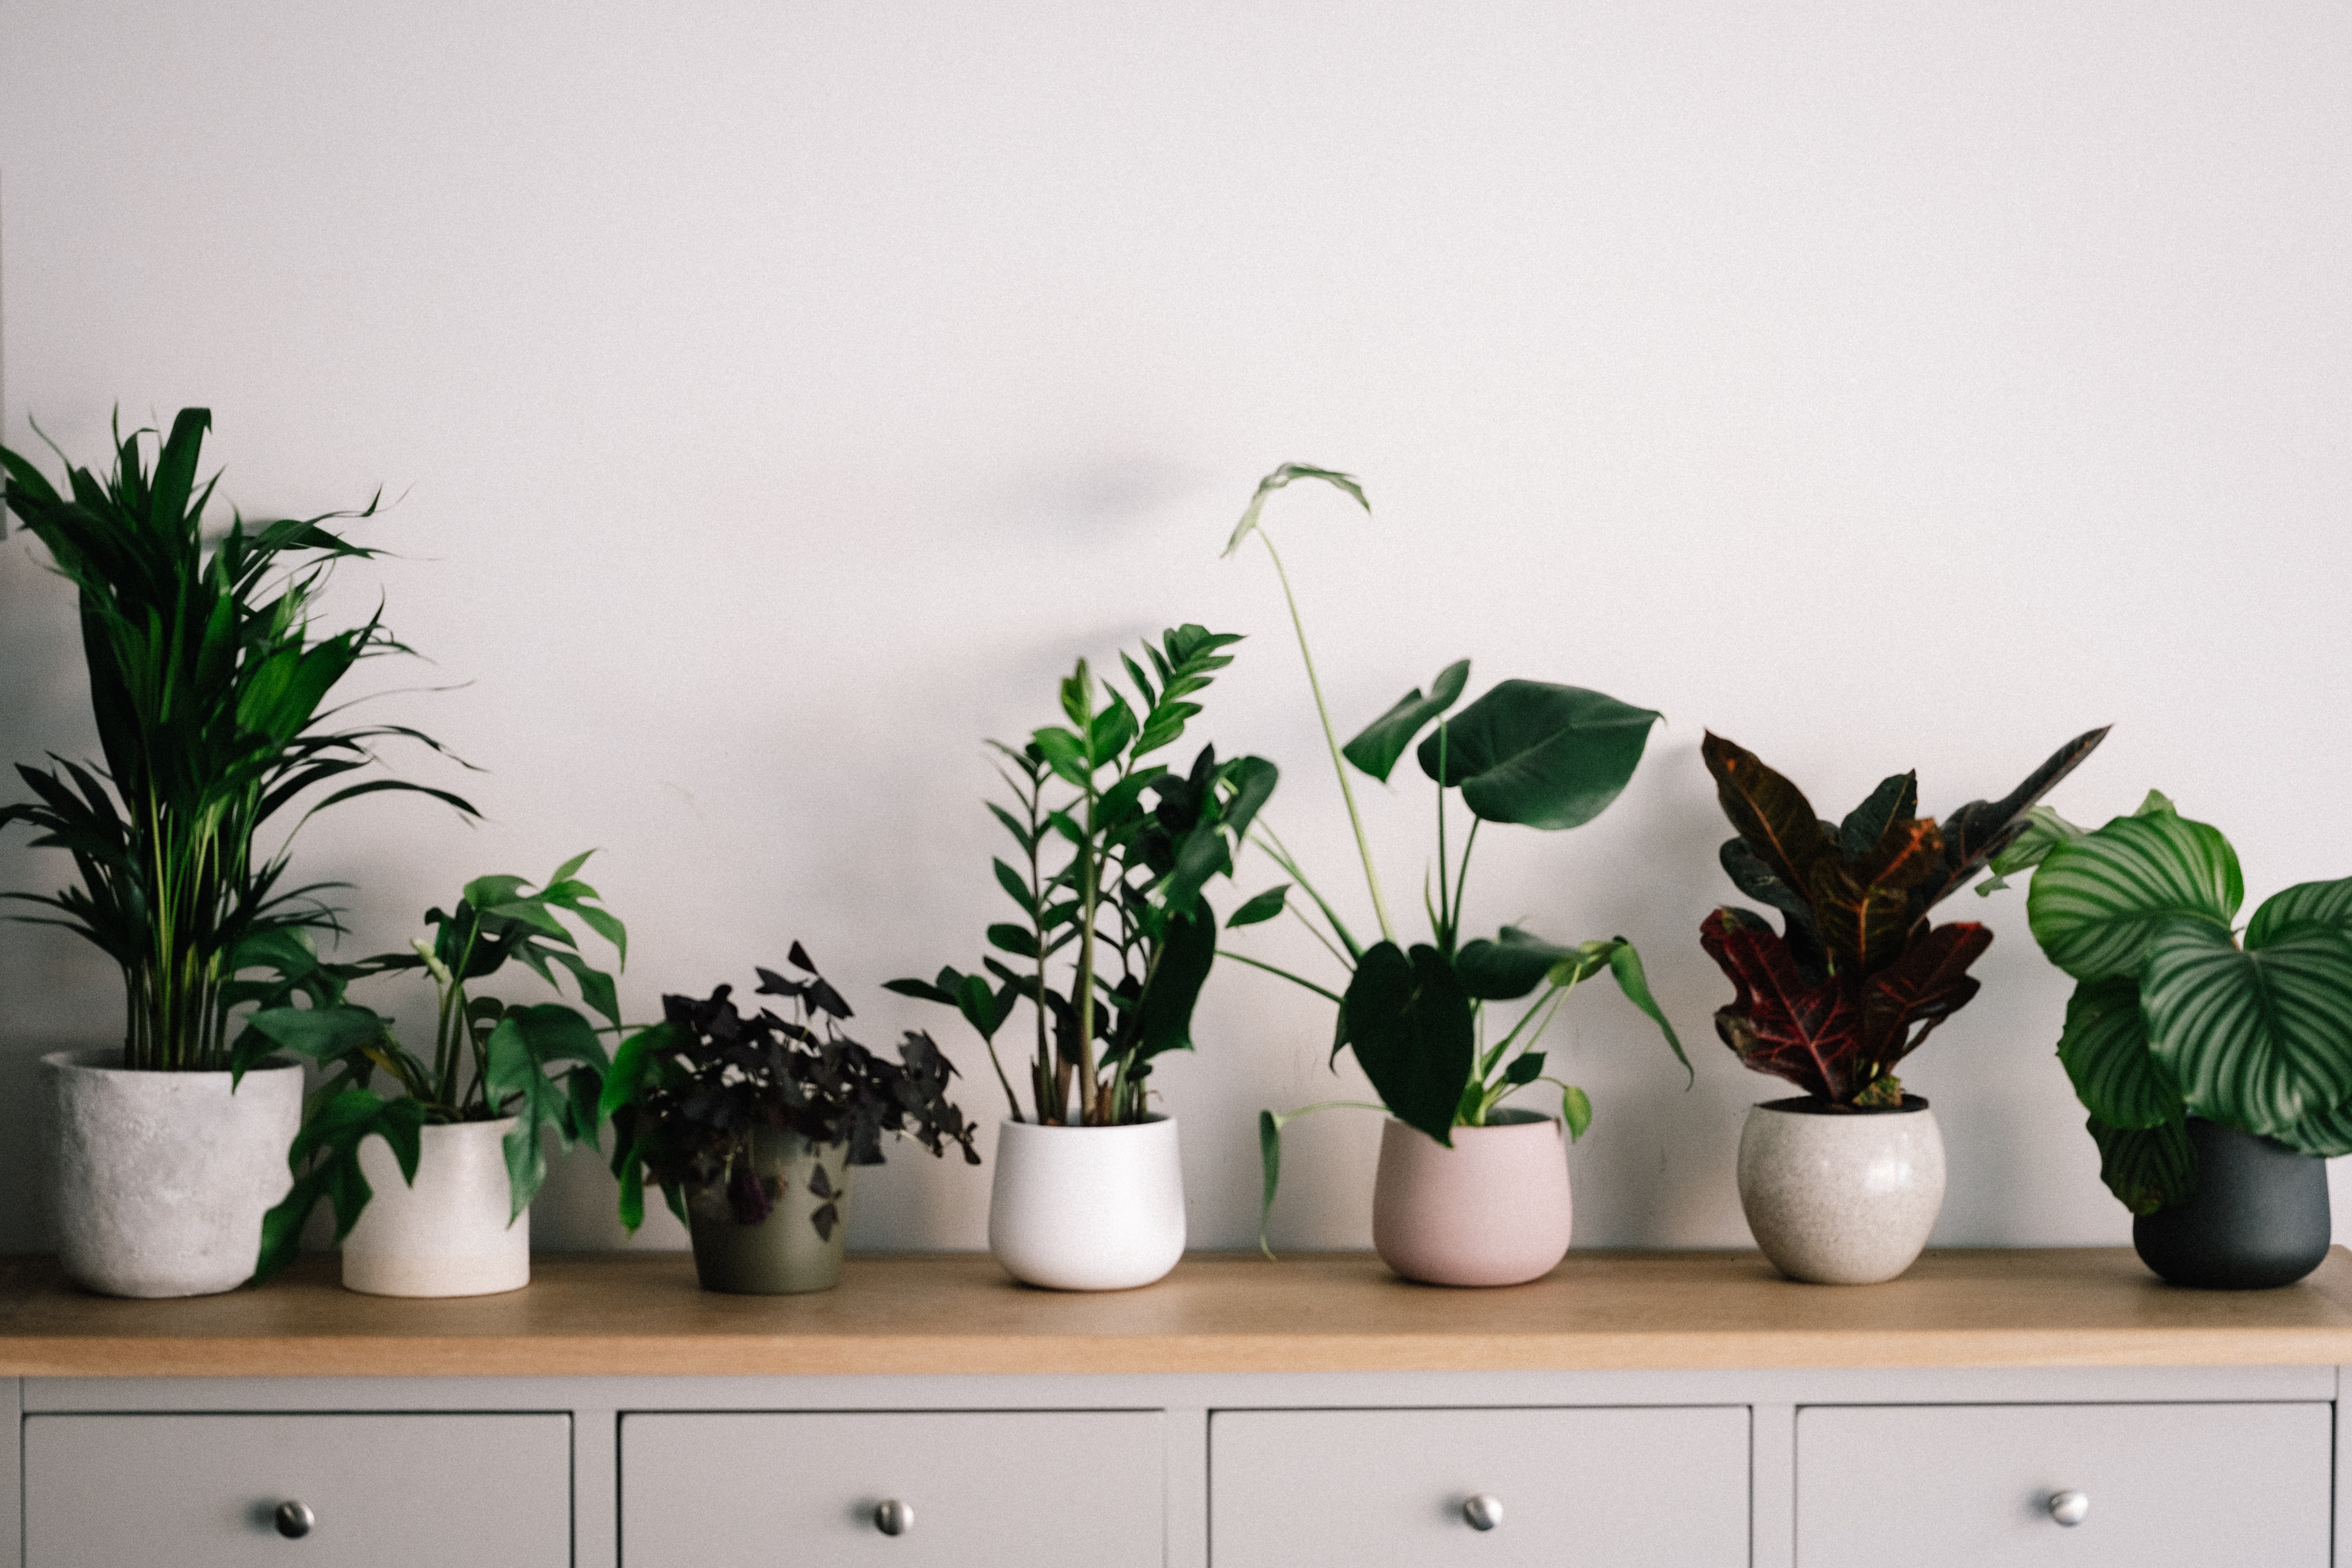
(1492, 1210)
(161, 1178)
(448, 1235)
(1087, 1208)
(1841, 1198)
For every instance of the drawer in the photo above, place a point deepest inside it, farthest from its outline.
(1291, 1488)
(1925, 1486)
(198, 1491)
(1041, 1489)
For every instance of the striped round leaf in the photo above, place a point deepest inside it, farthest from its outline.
(2326, 1136)
(2258, 1040)
(2104, 1050)
(2146, 1169)
(2097, 898)
(2318, 903)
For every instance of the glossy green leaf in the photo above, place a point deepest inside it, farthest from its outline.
(1261, 907)
(1576, 1110)
(2095, 899)
(1518, 960)
(1386, 737)
(2148, 1169)
(2106, 1053)
(1410, 1026)
(1547, 756)
(1626, 966)
(323, 1033)
(1186, 953)
(2258, 1040)
(1269, 1156)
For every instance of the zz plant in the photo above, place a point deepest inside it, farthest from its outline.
(209, 684)
(1526, 751)
(1116, 935)
(2176, 1012)
(1858, 978)
(541, 1063)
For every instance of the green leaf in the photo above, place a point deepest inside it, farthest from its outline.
(1066, 754)
(1386, 737)
(1524, 1069)
(1626, 966)
(2096, 899)
(323, 1033)
(2258, 1040)
(2148, 1169)
(1518, 960)
(1411, 1025)
(1276, 480)
(1018, 889)
(1269, 1157)
(1263, 907)
(2315, 903)
(2324, 1136)
(1185, 955)
(2105, 1050)
(1018, 941)
(1547, 756)
(2044, 830)
(1576, 1110)
(629, 1064)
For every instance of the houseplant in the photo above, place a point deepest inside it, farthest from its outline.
(1470, 1190)
(2217, 1073)
(464, 1133)
(1113, 943)
(1842, 1184)
(209, 684)
(750, 1126)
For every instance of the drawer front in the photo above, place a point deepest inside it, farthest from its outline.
(1925, 1486)
(1294, 1489)
(1042, 1489)
(198, 1491)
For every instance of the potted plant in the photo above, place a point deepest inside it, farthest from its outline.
(2216, 1069)
(1113, 942)
(1843, 1184)
(750, 1127)
(465, 1134)
(1470, 1190)
(208, 682)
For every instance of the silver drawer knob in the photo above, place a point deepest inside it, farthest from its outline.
(1484, 1511)
(2070, 1509)
(294, 1520)
(892, 1517)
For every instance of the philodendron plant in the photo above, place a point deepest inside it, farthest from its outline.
(2173, 1013)
(1526, 751)
(1858, 979)
(209, 686)
(687, 1096)
(541, 1063)
(1115, 942)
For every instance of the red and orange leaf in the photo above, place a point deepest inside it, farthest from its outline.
(1925, 986)
(1809, 1034)
(1771, 813)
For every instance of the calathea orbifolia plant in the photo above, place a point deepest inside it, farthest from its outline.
(1526, 752)
(2174, 1013)
(1859, 978)
(1115, 937)
(541, 1063)
(209, 687)
(687, 1096)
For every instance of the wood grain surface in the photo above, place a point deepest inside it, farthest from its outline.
(640, 1313)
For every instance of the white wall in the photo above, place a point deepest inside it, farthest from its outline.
(779, 396)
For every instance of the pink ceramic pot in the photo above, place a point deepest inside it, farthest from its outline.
(1491, 1210)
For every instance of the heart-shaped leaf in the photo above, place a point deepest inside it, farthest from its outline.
(1410, 1023)
(1544, 755)
(2105, 1051)
(2258, 1040)
(1384, 739)
(2096, 899)
(1518, 960)
(2149, 1169)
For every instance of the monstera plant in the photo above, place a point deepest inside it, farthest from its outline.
(2175, 1012)
(1524, 752)
(1858, 978)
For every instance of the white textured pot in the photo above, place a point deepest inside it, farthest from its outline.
(1841, 1198)
(448, 1235)
(1491, 1210)
(161, 1178)
(1087, 1208)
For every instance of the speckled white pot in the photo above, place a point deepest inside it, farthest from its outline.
(448, 1235)
(1087, 1208)
(162, 1178)
(1841, 1198)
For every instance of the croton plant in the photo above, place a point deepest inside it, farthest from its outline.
(1858, 978)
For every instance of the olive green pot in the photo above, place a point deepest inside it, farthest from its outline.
(784, 1255)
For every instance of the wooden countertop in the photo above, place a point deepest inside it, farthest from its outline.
(639, 1313)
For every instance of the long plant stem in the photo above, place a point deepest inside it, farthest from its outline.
(1331, 739)
(1270, 969)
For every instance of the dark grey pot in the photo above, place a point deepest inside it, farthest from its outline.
(2258, 1220)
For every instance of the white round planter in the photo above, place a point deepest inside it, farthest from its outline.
(161, 1178)
(1087, 1208)
(1492, 1210)
(448, 1235)
(1841, 1198)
